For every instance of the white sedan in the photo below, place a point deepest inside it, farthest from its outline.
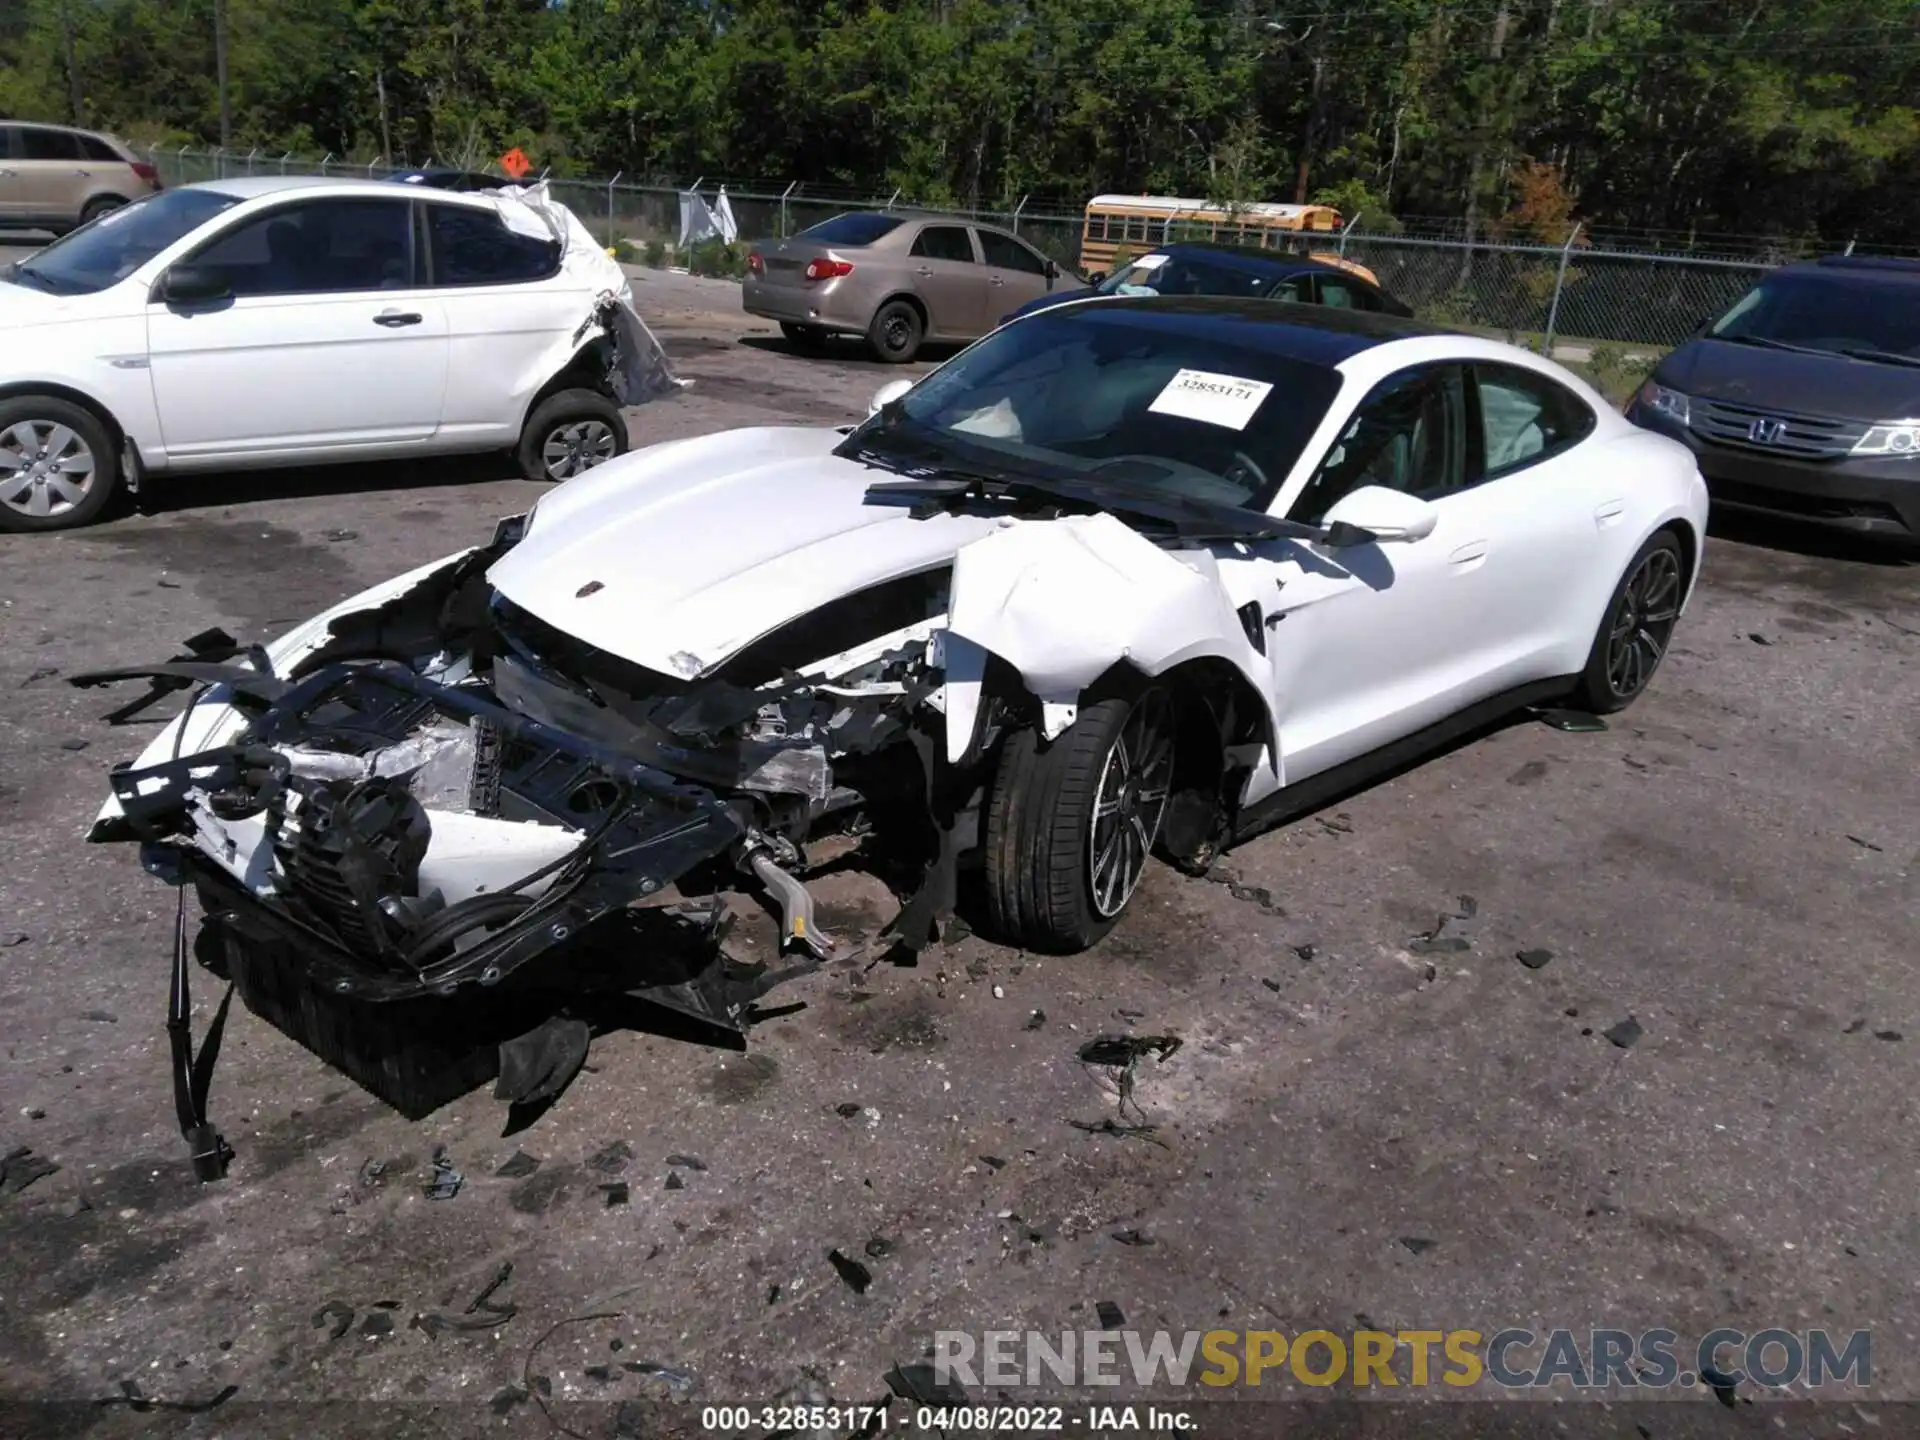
(1126, 576)
(282, 321)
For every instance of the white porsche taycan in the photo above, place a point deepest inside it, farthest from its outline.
(1125, 577)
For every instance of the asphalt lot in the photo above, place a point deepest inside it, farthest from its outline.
(1733, 864)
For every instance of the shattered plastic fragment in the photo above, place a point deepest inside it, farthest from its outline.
(1118, 1050)
(678, 1379)
(921, 1385)
(616, 1193)
(519, 1166)
(1419, 1245)
(538, 1065)
(446, 1181)
(687, 1162)
(856, 1275)
(1626, 1034)
(337, 1315)
(1132, 1237)
(1111, 1316)
(1534, 959)
(611, 1159)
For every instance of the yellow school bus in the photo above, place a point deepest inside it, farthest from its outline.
(1140, 223)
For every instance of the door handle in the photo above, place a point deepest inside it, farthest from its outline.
(924, 273)
(996, 280)
(1470, 552)
(1609, 512)
(393, 318)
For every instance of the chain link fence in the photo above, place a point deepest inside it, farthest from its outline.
(1586, 302)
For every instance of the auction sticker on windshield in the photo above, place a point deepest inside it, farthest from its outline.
(1202, 395)
(1148, 262)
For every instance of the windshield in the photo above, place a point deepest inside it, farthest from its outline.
(1165, 274)
(1177, 402)
(112, 247)
(858, 229)
(1837, 314)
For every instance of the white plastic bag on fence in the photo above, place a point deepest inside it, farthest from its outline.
(697, 220)
(723, 217)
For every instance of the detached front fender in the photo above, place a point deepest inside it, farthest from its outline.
(1065, 601)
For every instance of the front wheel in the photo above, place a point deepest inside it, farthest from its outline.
(1070, 824)
(57, 466)
(569, 434)
(1637, 628)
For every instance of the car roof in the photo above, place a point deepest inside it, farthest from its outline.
(1322, 335)
(1250, 257)
(1868, 267)
(252, 187)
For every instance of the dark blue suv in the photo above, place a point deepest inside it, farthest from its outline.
(1193, 268)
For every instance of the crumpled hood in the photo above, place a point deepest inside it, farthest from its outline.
(1792, 383)
(679, 556)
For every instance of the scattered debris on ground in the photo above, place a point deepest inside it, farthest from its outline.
(1450, 936)
(1036, 1020)
(20, 1167)
(921, 1385)
(140, 1403)
(687, 1162)
(535, 1068)
(1133, 1237)
(616, 1192)
(446, 1181)
(337, 1316)
(518, 1166)
(1574, 722)
(856, 1275)
(1417, 1244)
(611, 1159)
(1534, 959)
(1110, 1126)
(1111, 1315)
(1626, 1034)
(1866, 844)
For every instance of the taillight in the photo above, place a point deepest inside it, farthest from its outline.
(821, 268)
(146, 172)
(756, 264)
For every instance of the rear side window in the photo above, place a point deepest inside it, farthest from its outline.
(944, 242)
(1525, 418)
(1007, 253)
(34, 144)
(471, 246)
(1347, 294)
(855, 229)
(95, 148)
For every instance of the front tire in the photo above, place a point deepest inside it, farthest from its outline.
(569, 434)
(98, 206)
(1637, 628)
(1070, 824)
(895, 332)
(57, 464)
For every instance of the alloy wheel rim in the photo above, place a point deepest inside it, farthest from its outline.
(1129, 804)
(898, 332)
(1643, 623)
(46, 469)
(576, 447)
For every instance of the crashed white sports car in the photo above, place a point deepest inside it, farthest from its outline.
(1127, 576)
(293, 320)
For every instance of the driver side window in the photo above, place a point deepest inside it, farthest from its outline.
(1408, 435)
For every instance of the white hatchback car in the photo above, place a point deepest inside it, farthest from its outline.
(297, 320)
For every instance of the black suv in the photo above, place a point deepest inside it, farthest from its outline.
(1803, 399)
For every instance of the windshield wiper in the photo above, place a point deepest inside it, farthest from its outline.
(1770, 344)
(1883, 357)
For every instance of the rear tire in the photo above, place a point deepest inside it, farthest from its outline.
(895, 332)
(1636, 629)
(58, 467)
(570, 433)
(1070, 824)
(807, 339)
(98, 206)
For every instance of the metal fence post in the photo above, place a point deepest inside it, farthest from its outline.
(610, 184)
(323, 163)
(251, 156)
(1349, 230)
(783, 207)
(891, 198)
(1559, 283)
(1850, 246)
(219, 162)
(283, 161)
(1016, 214)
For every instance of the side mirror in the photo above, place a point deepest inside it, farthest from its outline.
(887, 394)
(1052, 271)
(1374, 514)
(1096, 276)
(191, 285)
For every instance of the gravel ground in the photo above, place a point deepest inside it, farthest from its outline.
(1351, 1136)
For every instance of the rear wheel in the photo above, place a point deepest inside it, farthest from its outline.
(895, 332)
(98, 206)
(1070, 824)
(569, 434)
(1637, 628)
(57, 466)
